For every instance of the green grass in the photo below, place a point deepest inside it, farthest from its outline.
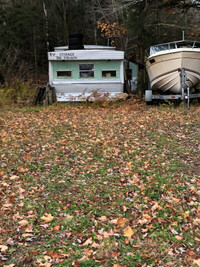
(88, 165)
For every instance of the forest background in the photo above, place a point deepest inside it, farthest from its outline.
(31, 28)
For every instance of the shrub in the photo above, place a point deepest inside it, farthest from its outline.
(17, 92)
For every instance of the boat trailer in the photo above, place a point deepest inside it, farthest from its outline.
(185, 95)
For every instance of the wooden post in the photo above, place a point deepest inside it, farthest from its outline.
(44, 96)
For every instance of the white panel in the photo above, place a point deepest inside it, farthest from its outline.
(85, 96)
(50, 73)
(86, 55)
(79, 92)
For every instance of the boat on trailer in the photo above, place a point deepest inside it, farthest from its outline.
(173, 69)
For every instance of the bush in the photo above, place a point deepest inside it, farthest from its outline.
(17, 92)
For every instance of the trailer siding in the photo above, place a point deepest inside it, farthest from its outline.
(98, 67)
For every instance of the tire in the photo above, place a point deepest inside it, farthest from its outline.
(76, 35)
(76, 47)
(75, 41)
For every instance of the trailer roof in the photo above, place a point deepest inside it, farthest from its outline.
(87, 47)
(86, 54)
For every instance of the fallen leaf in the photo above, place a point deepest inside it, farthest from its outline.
(69, 217)
(197, 262)
(178, 237)
(103, 219)
(87, 242)
(29, 229)
(196, 221)
(186, 214)
(88, 251)
(56, 228)
(3, 248)
(128, 232)
(84, 258)
(46, 264)
(114, 221)
(121, 221)
(47, 217)
(21, 190)
(23, 222)
(54, 255)
(95, 245)
(7, 205)
(155, 207)
(27, 235)
(13, 177)
(124, 208)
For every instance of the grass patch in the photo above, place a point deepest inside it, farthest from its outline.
(99, 185)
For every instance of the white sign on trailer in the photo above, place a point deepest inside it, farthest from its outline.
(62, 56)
(86, 55)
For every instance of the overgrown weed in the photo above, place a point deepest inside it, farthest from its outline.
(17, 92)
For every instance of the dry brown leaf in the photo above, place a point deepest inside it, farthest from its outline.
(17, 216)
(88, 251)
(3, 248)
(23, 222)
(88, 242)
(46, 264)
(69, 217)
(7, 205)
(21, 190)
(124, 208)
(29, 229)
(121, 221)
(47, 217)
(128, 232)
(178, 237)
(56, 228)
(27, 235)
(84, 258)
(147, 216)
(13, 177)
(186, 214)
(155, 207)
(197, 262)
(175, 200)
(103, 219)
(95, 245)
(114, 221)
(54, 255)
(196, 221)
(108, 234)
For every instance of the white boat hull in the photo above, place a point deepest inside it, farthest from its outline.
(164, 67)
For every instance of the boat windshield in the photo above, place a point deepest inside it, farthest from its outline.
(179, 44)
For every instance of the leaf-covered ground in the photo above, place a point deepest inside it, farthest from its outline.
(100, 185)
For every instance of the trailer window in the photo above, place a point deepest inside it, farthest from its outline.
(86, 70)
(64, 74)
(108, 73)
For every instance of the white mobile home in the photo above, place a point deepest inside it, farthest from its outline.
(80, 73)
